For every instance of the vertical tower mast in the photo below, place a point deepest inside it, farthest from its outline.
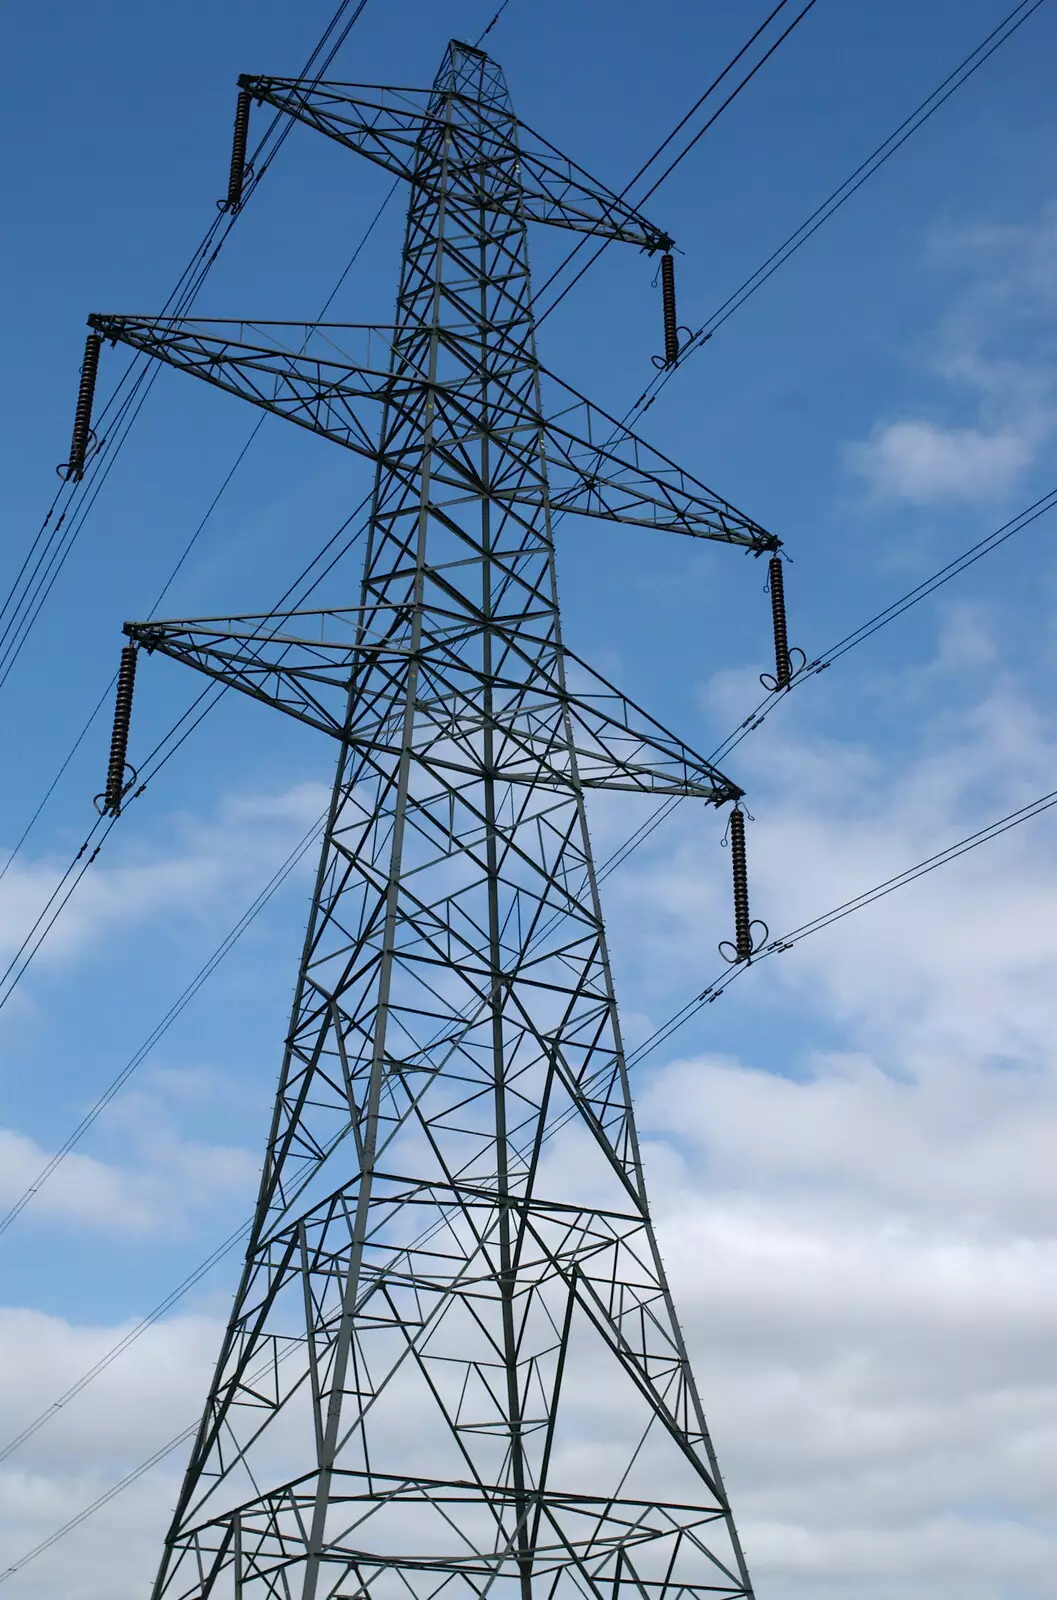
(453, 1363)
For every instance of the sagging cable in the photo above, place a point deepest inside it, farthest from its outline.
(73, 470)
(746, 941)
(239, 170)
(787, 662)
(119, 775)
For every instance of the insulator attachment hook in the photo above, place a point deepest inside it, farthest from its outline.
(746, 942)
(120, 776)
(787, 662)
(83, 437)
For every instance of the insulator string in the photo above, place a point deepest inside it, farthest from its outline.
(653, 1042)
(648, 1045)
(764, 25)
(740, 873)
(782, 667)
(238, 152)
(961, 74)
(140, 375)
(738, 813)
(671, 332)
(115, 772)
(73, 470)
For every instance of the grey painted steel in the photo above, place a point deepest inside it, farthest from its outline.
(453, 1365)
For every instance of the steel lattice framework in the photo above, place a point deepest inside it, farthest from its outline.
(453, 1365)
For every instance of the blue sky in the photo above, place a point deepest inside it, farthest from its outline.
(850, 1153)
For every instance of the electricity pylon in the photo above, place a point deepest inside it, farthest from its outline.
(453, 1363)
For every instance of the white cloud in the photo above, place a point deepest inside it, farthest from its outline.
(924, 463)
(201, 875)
(136, 1405)
(860, 1238)
(995, 354)
(164, 1182)
(876, 1355)
(196, 871)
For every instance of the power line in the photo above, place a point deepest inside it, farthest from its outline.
(110, 1494)
(866, 630)
(844, 191)
(51, 572)
(857, 636)
(581, 244)
(150, 766)
(123, 1344)
(495, 19)
(648, 1045)
(195, 535)
(192, 541)
(77, 868)
(109, 1093)
(259, 424)
(820, 663)
(953, 569)
(880, 891)
(678, 1020)
(932, 102)
(140, 376)
(58, 900)
(814, 927)
(615, 860)
(227, 944)
(953, 81)
(50, 790)
(732, 96)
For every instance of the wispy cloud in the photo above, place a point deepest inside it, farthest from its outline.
(924, 463)
(124, 1416)
(861, 1237)
(164, 1182)
(188, 868)
(995, 357)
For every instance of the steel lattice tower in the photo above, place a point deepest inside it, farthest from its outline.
(453, 1365)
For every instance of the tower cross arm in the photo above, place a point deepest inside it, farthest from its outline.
(330, 379)
(598, 468)
(620, 746)
(256, 655)
(321, 376)
(525, 175)
(563, 727)
(454, 1004)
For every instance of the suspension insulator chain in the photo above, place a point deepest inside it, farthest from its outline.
(787, 662)
(746, 942)
(116, 782)
(782, 669)
(671, 331)
(742, 933)
(82, 417)
(237, 175)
